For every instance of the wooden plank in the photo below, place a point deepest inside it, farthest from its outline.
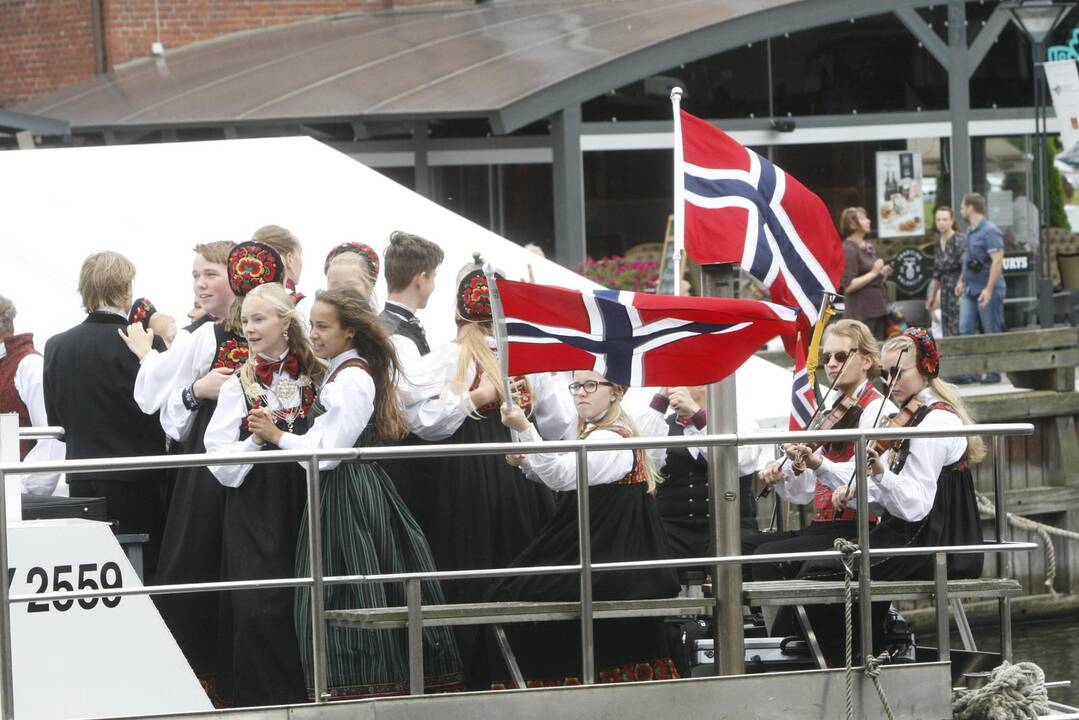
(1012, 360)
(1062, 337)
(1034, 501)
(1018, 407)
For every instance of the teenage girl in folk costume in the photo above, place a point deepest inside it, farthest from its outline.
(479, 512)
(183, 384)
(366, 530)
(264, 503)
(625, 525)
(850, 356)
(922, 487)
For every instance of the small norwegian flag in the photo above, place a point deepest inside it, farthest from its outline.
(803, 396)
(632, 338)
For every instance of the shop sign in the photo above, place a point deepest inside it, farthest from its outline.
(911, 270)
(900, 210)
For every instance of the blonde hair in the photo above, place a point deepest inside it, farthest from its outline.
(353, 261)
(105, 279)
(280, 239)
(215, 252)
(858, 333)
(472, 337)
(7, 317)
(616, 416)
(298, 344)
(947, 392)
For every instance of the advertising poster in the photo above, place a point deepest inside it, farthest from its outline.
(900, 211)
(1063, 79)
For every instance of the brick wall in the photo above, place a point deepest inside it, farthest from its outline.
(46, 44)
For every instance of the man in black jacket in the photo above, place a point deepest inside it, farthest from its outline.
(89, 378)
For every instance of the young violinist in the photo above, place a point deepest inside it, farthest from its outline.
(849, 354)
(922, 487)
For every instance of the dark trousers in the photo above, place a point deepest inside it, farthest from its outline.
(135, 507)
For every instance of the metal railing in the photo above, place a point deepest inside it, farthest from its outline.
(317, 581)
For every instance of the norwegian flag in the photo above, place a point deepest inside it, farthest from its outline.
(740, 208)
(803, 397)
(633, 338)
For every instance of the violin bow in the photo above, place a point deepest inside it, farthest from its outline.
(887, 394)
(816, 412)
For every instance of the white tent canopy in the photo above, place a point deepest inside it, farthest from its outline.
(153, 203)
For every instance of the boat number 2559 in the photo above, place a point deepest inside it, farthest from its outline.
(66, 578)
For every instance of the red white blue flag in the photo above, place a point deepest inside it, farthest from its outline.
(633, 338)
(740, 208)
(803, 396)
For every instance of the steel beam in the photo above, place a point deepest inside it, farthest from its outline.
(567, 177)
(925, 35)
(959, 100)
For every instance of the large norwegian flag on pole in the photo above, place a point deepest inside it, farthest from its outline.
(740, 208)
(633, 338)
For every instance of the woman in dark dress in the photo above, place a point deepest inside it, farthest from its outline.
(264, 503)
(183, 384)
(923, 491)
(478, 512)
(366, 528)
(864, 274)
(625, 525)
(947, 269)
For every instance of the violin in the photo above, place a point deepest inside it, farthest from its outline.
(900, 447)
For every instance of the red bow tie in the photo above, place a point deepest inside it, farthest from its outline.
(265, 369)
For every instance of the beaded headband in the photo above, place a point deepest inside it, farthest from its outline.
(141, 312)
(928, 356)
(362, 249)
(474, 295)
(252, 264)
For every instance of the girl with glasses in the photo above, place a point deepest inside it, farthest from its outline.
(922, 488)
(625, 525)
(849, 357)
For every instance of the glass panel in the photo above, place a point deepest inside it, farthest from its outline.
(728, 85)
(627, 199)
(526, 213)
(871, 65)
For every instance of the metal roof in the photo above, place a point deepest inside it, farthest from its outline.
(512, 62)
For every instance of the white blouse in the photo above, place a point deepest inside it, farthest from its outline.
(558, 471)
(435, 409)
(800, 489)
(349, 401)
(28, 384)
(162, 377)
(910, 493)
(223, 432)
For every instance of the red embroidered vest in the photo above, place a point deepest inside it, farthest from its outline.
(823, 511)
(637, 472)
(18, 347)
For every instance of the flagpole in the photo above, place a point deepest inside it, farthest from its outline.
(498, 325)
(679, 191)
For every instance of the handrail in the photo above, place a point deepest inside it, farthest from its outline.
(311, 458)
(42, 432)
(438, 575)
(148, 462)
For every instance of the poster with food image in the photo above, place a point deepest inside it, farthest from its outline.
(900, 211)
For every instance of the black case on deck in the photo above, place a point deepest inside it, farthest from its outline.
(51, 507)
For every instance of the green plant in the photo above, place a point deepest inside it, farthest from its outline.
(617, 273)
(1057, 217)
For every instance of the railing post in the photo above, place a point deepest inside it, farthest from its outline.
(940, 578)
(865, 599)
(414, 599)
(1000, 498)
(318, 594)
(7, 691)
(728, 631)
(584, 533)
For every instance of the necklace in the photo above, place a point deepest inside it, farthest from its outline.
(287, 392)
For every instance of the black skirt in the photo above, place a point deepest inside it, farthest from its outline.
(261, 657)
(625, 526)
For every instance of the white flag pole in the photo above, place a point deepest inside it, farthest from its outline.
(498, 325)
(679, 191)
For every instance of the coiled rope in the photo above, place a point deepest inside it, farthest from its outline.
(1014, 692)
(872, 664)
(1044, 532)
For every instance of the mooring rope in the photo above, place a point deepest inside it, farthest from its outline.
(1014, 692)
(872, 664)
(1042, 530)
